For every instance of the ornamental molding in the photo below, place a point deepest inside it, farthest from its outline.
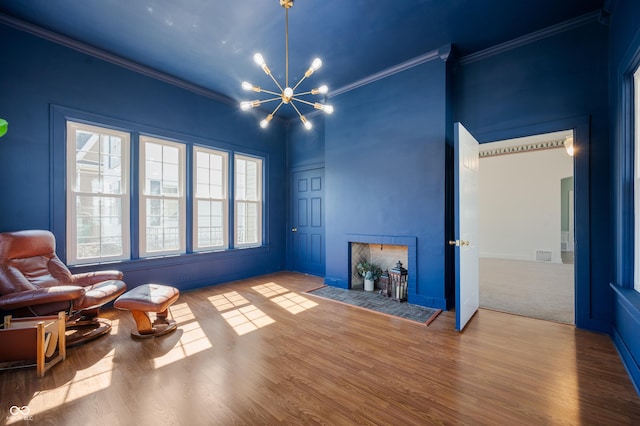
(538, 146)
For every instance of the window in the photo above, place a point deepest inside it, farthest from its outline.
(97, 194)
(162, 197)
(636, 183)
(248, 201)
(210, 205)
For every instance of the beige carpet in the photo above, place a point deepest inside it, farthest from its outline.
(533, 289)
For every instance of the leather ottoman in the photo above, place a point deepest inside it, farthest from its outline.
(150, 298)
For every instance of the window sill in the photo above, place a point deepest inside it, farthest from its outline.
(173, 259)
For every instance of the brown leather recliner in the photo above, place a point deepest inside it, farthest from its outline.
(35, 282)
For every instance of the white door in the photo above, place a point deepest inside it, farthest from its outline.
(466, 164)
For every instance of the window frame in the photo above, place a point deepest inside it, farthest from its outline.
(71, 173)
(258, 202)
(196, 197)
(143, 196)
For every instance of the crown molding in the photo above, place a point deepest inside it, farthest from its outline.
(441, 53)
(110, 57)
(571, 24)
(538, 146)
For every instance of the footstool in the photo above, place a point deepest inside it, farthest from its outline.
(149, 298)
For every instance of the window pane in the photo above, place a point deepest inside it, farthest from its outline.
(171, 154)
(153, 151)
(98, 227)
(210, 224)
(163, 225)
(247, 227)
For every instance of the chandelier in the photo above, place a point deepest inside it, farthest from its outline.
(287, 94)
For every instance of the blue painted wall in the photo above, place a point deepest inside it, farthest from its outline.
(625, 57)
(36, 74)
(385, 173)
(554, 83)
(305, 148)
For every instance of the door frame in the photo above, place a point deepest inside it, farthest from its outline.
(543, 137)
(581, 126)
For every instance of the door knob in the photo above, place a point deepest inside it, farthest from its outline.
(458, 243)
(294, 229)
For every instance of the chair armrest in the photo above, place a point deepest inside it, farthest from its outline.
(40, 296)
(91, 278)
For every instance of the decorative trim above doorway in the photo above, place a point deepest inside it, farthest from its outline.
(538, 146)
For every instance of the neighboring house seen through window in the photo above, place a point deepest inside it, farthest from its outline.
(210, 199)
(248, 201)
(162, 197)
(97, 194)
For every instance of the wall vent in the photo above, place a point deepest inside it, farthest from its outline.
(543, 256)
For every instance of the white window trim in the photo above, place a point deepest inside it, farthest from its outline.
(71, 217)
(258, 202)
(224, 200)
(636, 178)
(181, 197)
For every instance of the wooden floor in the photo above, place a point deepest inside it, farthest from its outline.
(261, 351)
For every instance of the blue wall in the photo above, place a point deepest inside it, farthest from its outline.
(37, 75)
(555, 83)
(625, 58)
(385, 174)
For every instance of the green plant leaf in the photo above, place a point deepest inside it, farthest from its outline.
(4, 126)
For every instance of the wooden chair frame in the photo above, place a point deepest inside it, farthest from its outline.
(23, 340)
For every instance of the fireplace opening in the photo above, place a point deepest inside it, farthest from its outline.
(384, 255)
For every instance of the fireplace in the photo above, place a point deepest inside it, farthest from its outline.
(384, 255)
(386, 251)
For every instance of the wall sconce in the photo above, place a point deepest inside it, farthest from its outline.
(4, 126)
(568, 145)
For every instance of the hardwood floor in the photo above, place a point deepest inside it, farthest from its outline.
(261, 351)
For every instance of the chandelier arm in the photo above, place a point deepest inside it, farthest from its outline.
(294, 107)
(270, 100)
(277, 108)
(298, 83)
(271, 93)
(304, 102)
(303, 93)
(276, 82)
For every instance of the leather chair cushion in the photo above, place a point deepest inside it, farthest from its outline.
(97, 295)
(148, 298)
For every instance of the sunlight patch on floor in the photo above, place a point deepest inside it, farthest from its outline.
(192, 341)
(225, 301)
(181, 313)
(247, 319)
(294, 303)
(86, 382)
(270, 289)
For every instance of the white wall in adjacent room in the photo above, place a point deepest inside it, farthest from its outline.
(520, 203)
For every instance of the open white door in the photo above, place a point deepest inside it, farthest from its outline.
(466, 168)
